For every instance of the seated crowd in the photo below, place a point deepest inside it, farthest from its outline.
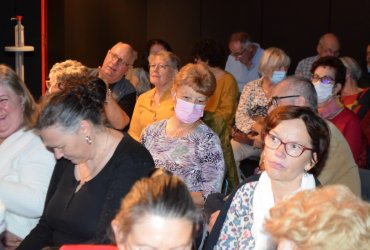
(153, 156)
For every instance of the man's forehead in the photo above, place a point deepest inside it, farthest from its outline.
(236, 45)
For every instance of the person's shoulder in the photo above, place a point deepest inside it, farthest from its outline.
(146, 95)
(128, 148)
(253, 84)
(158, 125)
(125, 83)
(337, 140)
(206, 132)
(351, 115)
(309, 59)
(248, 184)
(227, 78)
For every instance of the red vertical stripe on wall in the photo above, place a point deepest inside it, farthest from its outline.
(44, 45)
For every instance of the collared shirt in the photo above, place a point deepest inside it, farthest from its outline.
(305, 65)
(146, 112)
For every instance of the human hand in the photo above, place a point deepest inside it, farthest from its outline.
(212, 220)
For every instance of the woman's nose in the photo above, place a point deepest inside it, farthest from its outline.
(58, 153)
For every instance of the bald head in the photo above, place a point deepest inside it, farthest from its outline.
(300, 89)
(328, 45)
(118, 60)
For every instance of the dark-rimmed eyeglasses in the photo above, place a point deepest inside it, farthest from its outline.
(292, 149)
(114, 57)
(275, 99)
(323, 80)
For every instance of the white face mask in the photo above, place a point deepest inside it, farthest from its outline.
(324, 91)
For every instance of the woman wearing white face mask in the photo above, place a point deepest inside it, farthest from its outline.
(183, 144)
(328, 77)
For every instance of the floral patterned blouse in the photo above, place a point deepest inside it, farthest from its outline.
(237, 227)
(196, 158)
(253, 102)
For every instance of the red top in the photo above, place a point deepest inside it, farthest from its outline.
(350, 126)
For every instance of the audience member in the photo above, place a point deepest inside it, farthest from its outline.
(121, 95)
(326, 218)
(340, 167)
(296, 142)
(221, 106)
(354, 97)
(365, 78)
(157, 213)
(139, 77)
(25, 166)
(96, 168)
(183, 144)
(328, 45)
(224, 101)
(66, 72)
(254, 100)
(244, 59)
(328, 78)
(156, 104)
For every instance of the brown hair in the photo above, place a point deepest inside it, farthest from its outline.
(316, 127)
(198, 77)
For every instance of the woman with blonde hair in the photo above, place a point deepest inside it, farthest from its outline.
(331, 217)
(254, 101)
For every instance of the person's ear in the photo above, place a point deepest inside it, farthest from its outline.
(312, 162)
(85, 127)
(337, 88)
(173, 94)
(23, 102)
(117, 235)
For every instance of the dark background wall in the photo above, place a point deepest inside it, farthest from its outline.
(31, 12)
(85, 29)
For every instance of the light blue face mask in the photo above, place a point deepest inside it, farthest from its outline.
(278, 76)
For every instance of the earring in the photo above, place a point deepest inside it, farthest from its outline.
(305, 172)
(88, 140)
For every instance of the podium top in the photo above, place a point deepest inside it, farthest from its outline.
(19, 49)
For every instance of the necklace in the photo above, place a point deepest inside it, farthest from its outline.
(91, 173)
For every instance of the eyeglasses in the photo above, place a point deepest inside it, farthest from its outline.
(117, 59)
(238, 55)
(324, 79)
(159, 66)
(291, 148)
(275, 99)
